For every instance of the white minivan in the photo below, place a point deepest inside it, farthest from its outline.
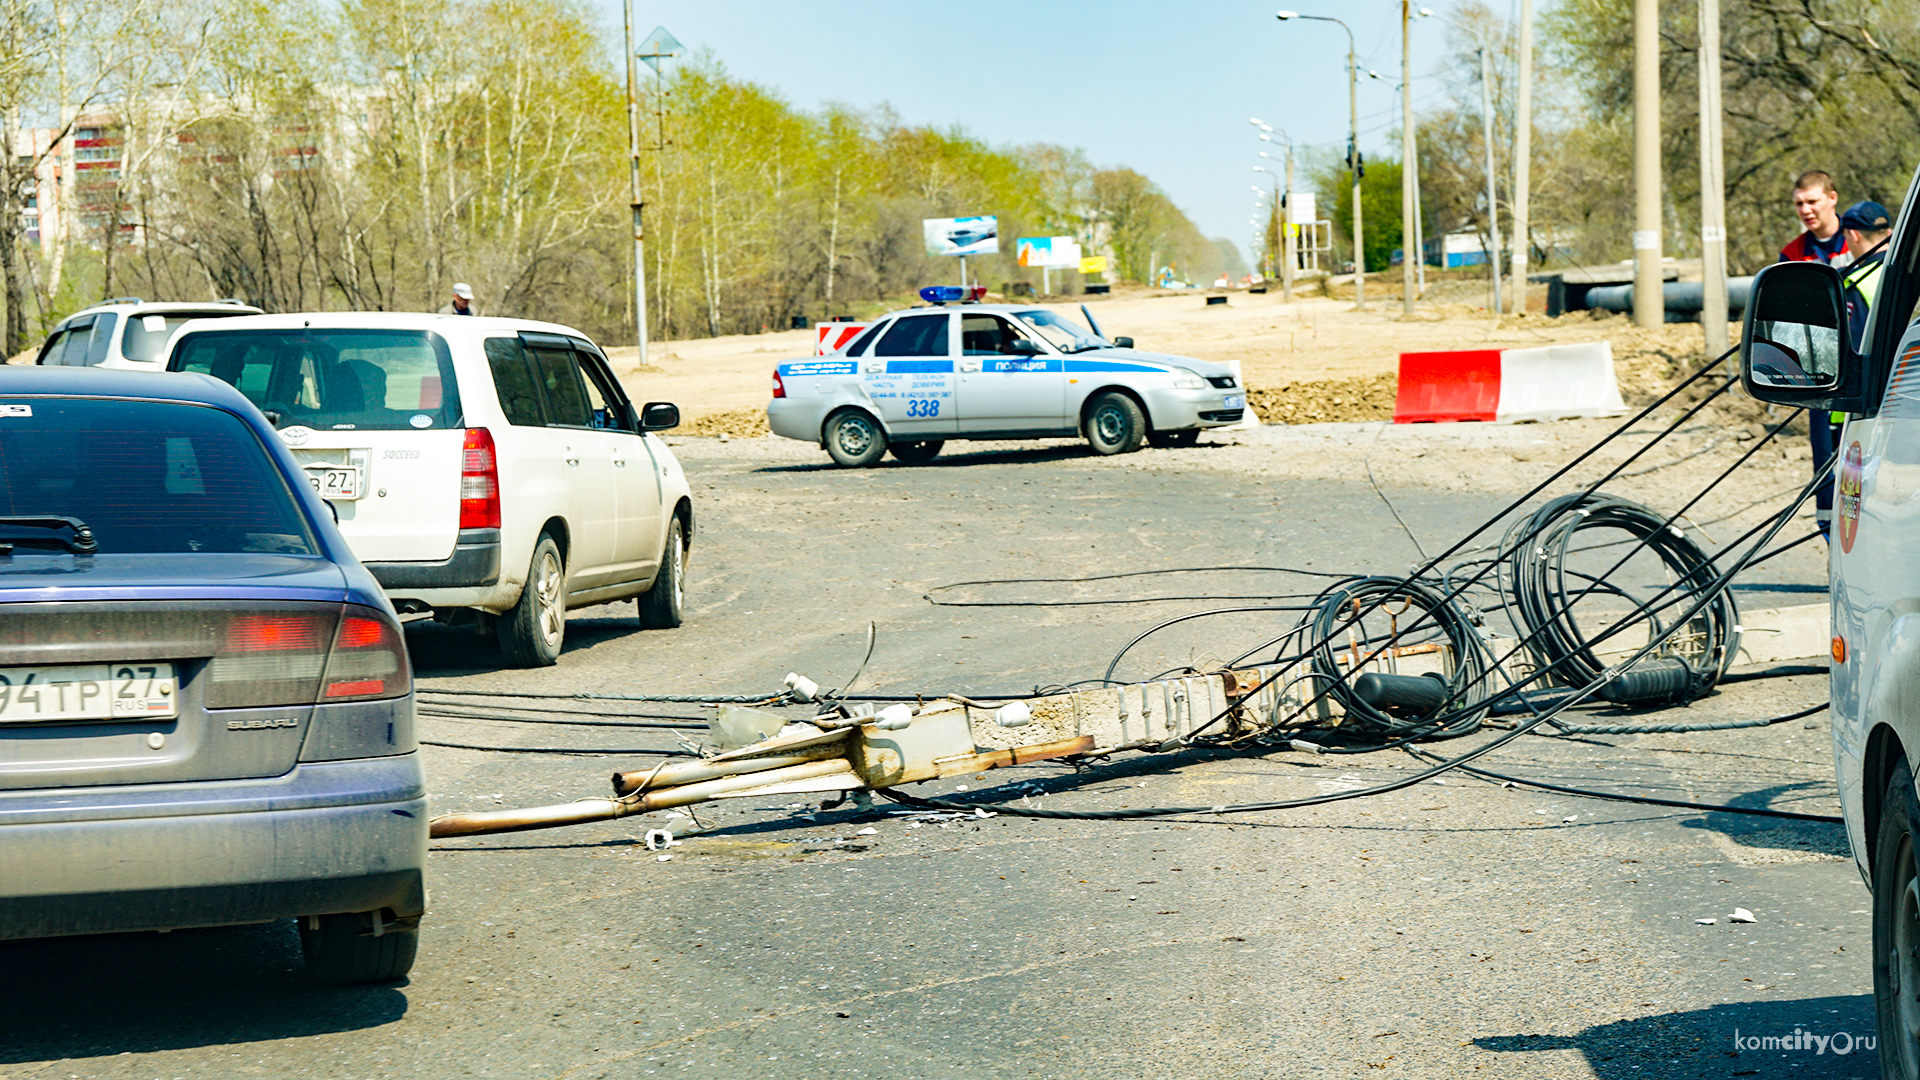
(1797, 350)
(489, 471)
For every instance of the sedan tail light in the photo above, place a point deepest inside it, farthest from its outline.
(479, 481)
(368, 661)
(301, 657)
(779, 388)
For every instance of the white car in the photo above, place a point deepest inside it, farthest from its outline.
(919, 377)
(1796, 350)
(127, 332)
(489, 471)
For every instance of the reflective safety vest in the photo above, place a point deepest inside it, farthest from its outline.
(1862, 280)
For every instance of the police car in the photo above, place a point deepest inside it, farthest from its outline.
(960, 369)
(1796, 350)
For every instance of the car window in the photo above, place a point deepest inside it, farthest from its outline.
(860, 344)
(68, 346)
(513, 382)
(604, 399)
(147, 333)
(1060, 332)
(915, 335)
(103, 325)
(146, 476)
(985, 335)
(333, 379)
(559, 377)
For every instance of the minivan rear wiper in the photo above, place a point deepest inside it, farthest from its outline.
(81, 543)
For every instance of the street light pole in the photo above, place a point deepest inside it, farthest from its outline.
(1287, 224)
(1353, 155)
(1409, 166)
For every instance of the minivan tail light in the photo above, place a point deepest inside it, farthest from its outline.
(779, 388)
(479, 481)
(369, 659)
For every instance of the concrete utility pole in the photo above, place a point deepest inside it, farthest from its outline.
(1713, 203)
(1288, 229)
(1522, 158)
(1493, 203)
(1409, 165)
(1649, 302)
(639, 233)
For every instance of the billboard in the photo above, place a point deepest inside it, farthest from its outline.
(1056, 252)
(962, 236)
(1097, 264)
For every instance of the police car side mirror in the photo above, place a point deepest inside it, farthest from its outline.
(1124, 342)
(659, 416)
(1020, 347)
(1794, 348)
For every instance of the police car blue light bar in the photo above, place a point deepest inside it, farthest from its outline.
(952, 294)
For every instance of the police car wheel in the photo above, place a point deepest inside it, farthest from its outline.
(1896, 928)
(1115, 424)
(913, 453)
(855, 440)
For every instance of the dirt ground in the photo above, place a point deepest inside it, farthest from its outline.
(1316, 360)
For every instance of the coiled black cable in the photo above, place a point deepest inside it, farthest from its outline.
(1465, 687)
(1536, 575)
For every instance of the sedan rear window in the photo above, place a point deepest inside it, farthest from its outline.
(334, 379)
(146, 476)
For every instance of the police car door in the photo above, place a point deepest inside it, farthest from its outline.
(908, 374)
(1008, 391)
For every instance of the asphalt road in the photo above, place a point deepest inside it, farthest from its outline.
(1455, 928)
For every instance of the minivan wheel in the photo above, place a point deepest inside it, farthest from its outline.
(854, 439)
(1896, 929)
(663, 605)
(1115, 424)
(532, 633)
(342, 949)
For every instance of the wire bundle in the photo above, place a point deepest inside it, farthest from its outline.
(1536, 576)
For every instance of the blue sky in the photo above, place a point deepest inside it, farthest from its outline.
(1164, 88)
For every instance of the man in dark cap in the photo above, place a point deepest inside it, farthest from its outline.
(1867, 225)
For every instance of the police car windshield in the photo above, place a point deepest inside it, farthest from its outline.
(1063, 334)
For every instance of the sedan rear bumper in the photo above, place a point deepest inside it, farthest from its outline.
(328, 837)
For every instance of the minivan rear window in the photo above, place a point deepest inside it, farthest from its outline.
(148, 477)
(333, 379)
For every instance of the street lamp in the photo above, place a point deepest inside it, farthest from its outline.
(1486, 127)
(1353, 153)
(1289, 259)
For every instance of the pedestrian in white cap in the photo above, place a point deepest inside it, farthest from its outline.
(462, 303)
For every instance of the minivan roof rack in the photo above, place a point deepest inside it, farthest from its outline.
(124, 300)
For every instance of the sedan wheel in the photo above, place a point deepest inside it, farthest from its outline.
(855, 440)
(1115, 424)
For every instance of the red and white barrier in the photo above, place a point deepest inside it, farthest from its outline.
(831, 337)
(1508, 386)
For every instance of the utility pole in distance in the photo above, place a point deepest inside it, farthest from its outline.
(1649, 301)
(639, 233)
(1353, 154)
(659, 45)
(1713, 201)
